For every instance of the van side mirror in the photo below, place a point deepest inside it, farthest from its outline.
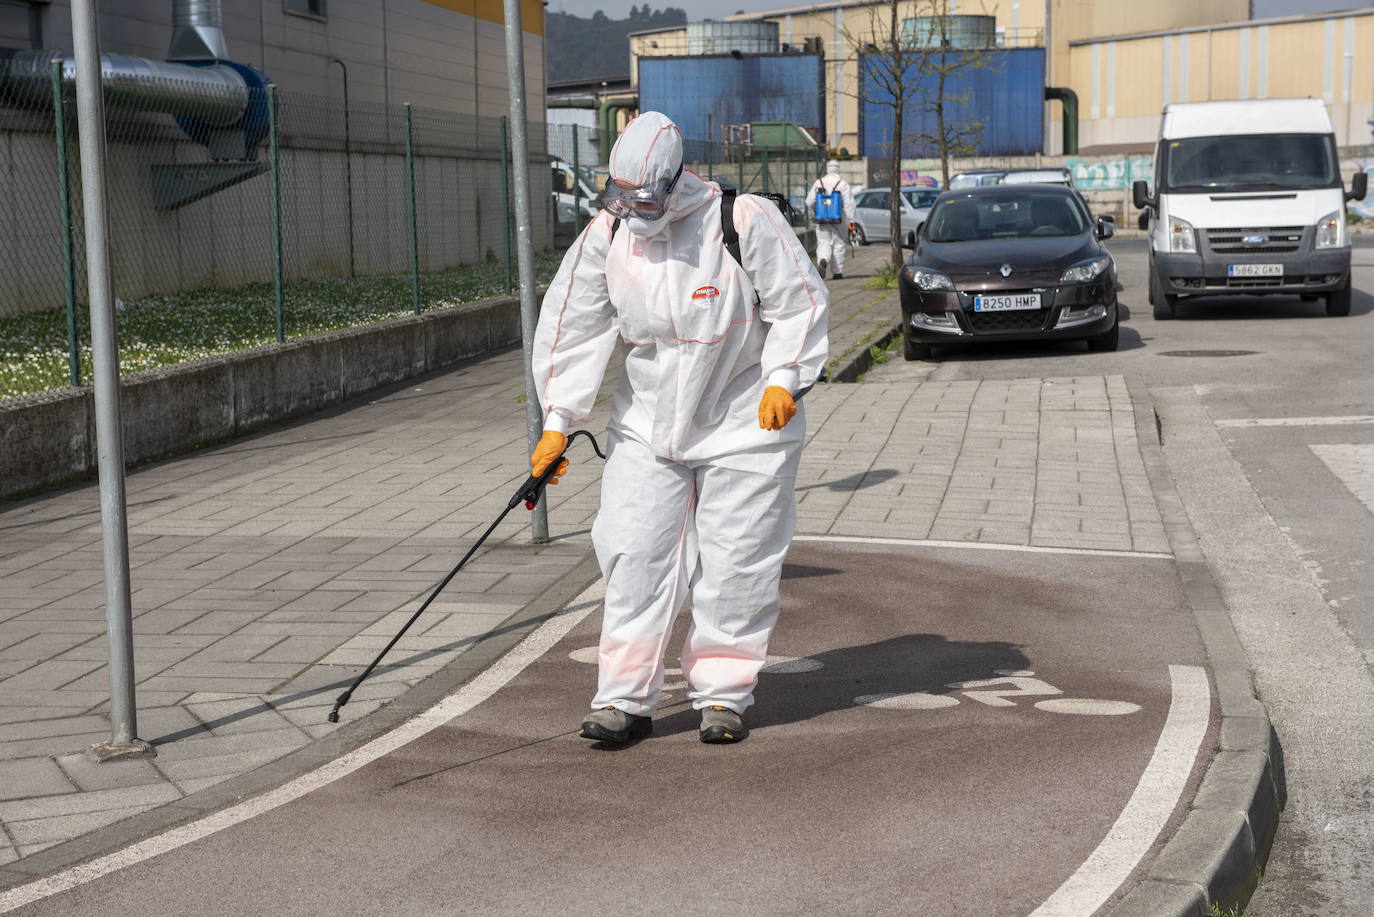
(1359, 186)
(1106, 227)
(1140, 195)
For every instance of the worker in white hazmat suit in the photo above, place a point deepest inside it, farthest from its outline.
(834, 219)
(704, 434)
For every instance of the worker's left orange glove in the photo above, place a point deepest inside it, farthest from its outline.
(853, 226)
(776, 408)
(549, 445)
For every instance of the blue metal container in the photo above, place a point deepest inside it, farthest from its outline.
(1004, 96)
(704, 94)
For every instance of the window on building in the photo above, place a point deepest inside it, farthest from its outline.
(314, 9)
(20, 25)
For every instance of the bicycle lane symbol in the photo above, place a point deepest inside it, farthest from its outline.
(998, 692)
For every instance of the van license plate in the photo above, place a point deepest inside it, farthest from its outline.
(1006, 303)
(1254, 270)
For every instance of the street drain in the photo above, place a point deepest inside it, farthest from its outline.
(1208, 353)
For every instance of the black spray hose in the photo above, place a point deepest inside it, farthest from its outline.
(528, 494)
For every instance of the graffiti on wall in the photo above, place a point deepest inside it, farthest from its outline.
(1099, 174)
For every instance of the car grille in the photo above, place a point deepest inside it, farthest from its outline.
(1279, 239)
(987, 322)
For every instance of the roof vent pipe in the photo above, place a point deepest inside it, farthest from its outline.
(197, 33)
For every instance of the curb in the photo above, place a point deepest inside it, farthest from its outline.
(862, 361)
(1215, 858)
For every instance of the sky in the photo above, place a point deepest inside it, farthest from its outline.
(715, 9)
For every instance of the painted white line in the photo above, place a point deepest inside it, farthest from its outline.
(1336, 421)
(1149, 808)
(978, 545)
(456, 704)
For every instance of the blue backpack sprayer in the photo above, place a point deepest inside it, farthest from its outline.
(528, 494)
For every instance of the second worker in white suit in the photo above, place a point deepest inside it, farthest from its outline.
(704, 435)
(834, 218)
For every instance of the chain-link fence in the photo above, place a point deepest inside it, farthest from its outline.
(239, 218)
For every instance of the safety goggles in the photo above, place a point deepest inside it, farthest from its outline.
(647, 202)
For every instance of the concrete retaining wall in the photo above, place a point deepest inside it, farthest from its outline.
(48, 439)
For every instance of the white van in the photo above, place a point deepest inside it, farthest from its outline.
(572, 192)
(1248, 199)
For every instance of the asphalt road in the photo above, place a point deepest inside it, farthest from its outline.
(911, 753)
(1267, 419)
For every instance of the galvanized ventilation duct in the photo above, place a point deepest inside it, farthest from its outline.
(197, 31)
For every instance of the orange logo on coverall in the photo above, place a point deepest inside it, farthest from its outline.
(704, 296)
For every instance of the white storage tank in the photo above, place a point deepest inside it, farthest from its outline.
(712, 37)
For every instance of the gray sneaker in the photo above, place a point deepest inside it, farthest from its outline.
(611, 725)
(721, 725)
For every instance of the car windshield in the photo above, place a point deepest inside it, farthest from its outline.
(1250, 163)
(920, 198)
(1010, 215)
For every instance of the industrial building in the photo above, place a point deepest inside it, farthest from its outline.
(1123, 61)
(191, 203)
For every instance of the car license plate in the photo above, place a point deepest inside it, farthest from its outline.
(1254, 270)
(1006, 303)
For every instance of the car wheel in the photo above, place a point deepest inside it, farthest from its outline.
(1107, 340)
(858, 236)
(1338, 301)
(916, 351)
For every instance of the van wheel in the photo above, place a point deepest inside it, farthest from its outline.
(1338, 301)
(1152, 295)
(1164, 305)
(914, 351)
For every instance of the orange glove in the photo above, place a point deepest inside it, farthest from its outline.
(853, 226)
(776, 408)
(550, 444)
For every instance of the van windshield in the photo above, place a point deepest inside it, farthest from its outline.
(1254, 162)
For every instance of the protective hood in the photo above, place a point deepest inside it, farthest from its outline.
(832, 167)
(650, 150)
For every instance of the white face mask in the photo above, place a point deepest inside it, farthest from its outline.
(646, 229)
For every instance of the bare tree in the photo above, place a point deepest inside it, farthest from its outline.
(913, 74)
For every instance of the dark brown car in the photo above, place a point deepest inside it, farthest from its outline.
(1009, 263)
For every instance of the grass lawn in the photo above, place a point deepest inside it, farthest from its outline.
(172, 328)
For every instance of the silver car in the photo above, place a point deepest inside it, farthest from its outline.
(872, 216)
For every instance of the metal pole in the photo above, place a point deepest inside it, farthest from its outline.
(710, 151)
(273, 124)
(90, 112)
(414, 222)
(577, 184)
(348, 165)
(529, 314)
(505, 197)
(64, 195)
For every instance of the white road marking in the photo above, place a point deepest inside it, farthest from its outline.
(1336, 421)
(461, 701)
(1006, 686)
(1353, 464)
(977, 545)
(1149, 808)
(916, 700)
(1084, 706)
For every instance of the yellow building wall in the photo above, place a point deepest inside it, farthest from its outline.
(1296, 59)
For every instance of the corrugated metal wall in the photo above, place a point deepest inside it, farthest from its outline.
(703, 93)
(1004, 94)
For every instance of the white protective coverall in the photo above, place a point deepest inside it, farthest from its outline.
(694, 495)
(832, 239)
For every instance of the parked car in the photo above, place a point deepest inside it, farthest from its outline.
(571, 191)
(920, 197)
(1248, 199)
(872, 214)
(1009, 262)
(976, 179)
(1038, 177)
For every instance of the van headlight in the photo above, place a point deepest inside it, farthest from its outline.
(1181, 236)
(1086, 271)
(1331, 230)
(926, 280)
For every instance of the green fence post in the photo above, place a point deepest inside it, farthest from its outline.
(275, 146)
(65, 201)
(414, 221)
(505, 197)
(577, 185)
(767, 183)
(710, 159)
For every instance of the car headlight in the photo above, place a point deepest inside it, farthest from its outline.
(1181, 236)
(1086, 271)
(927, 280)
(1331, 230)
